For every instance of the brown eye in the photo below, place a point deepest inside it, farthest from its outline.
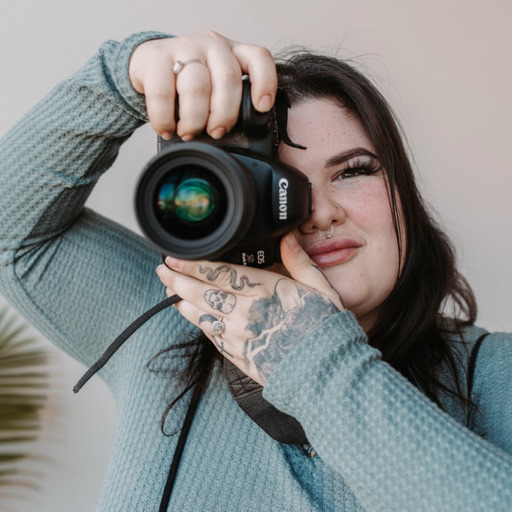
(351, 173)
(357, 168)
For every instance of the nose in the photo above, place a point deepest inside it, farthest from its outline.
(326, 212)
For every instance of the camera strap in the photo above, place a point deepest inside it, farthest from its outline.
(118, 342)
(194, 402)
(248, 396)
(246, 392)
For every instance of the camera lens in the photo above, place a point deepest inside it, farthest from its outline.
(190, 202)
(195, 201)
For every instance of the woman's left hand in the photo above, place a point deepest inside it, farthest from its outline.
(263, 314)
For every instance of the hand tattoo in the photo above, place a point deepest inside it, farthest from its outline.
(213, 274)
(279, 322)
(221, 301)
(218, 341)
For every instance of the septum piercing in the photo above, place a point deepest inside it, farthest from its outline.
(328, 234)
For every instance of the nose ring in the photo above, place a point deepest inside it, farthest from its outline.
(328, 234)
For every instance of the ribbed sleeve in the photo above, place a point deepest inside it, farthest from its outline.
(396, 449)
(64, 144)
(60, 263)
(492, 391)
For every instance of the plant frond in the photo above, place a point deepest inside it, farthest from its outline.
(23, 392)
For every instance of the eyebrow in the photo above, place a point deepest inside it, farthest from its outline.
(342, 157)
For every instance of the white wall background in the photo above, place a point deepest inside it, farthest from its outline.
(445, 66)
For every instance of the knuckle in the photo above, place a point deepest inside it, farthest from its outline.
(213, 36)
(261, 52)
(231, 75)
(198, 88)
(159, 93)
(157, 51)
(224, 280)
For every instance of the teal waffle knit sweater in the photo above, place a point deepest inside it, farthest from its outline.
(379, 443)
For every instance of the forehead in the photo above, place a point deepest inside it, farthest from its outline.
(325, 128)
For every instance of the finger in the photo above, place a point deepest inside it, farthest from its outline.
(197, 316)
(226, 93)
(214, 328)
(204, 295)
(259, 64)
(227, 277)
(194, 88)
(159, 91)
(304, 270)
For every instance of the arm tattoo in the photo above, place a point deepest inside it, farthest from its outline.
(213, 274)
(279, 322)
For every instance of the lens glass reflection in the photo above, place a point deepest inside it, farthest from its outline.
(190, 202)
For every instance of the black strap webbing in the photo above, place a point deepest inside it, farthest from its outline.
(194, 402)
(173, 470)
(472, 362)
(471, 374)
(116, 344)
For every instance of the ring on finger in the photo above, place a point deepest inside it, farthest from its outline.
(218, 327)
(180, 64)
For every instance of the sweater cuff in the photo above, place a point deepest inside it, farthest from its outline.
(336, 351)
(117, 58)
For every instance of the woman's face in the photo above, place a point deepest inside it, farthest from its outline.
(349, 194)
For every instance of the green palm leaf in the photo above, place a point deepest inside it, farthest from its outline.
(23, 390)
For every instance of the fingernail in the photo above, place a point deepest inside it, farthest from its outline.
(292, 242)
(160, 270)
(187, 137)
(166, 135)
(171, 262)
(265, 103)
(218, 133)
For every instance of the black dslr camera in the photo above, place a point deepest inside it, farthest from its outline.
(229, 200)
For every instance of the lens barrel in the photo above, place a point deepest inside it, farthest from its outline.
(195, 201)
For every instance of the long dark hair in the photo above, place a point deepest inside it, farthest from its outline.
(412, 331)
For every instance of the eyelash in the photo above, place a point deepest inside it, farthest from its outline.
(360, 167)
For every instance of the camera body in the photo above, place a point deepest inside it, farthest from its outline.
(228, 199)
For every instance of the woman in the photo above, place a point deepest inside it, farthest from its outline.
(346, 337)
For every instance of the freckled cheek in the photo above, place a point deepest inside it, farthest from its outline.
(374, 210)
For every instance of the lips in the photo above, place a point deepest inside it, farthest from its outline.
(333, 252)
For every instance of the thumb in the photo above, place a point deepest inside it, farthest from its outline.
(303, 270)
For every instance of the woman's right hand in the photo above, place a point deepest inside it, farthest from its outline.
(209, 91)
